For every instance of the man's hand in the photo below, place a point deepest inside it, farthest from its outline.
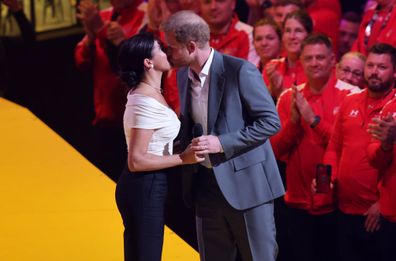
(304, 108)
(115, 33)
(206, 144)
(189, 156)
(372, 223)
(294, 112)
(157, 12)
(384, 130)
(89, 16)
(276, 79)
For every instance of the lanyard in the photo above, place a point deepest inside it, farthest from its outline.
(369, 27)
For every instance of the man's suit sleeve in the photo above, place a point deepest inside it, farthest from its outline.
(261, 118)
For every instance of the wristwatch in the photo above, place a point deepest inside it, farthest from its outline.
(315, 121)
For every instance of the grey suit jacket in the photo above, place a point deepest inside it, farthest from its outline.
(242, 114)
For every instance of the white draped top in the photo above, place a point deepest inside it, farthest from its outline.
(144, 112)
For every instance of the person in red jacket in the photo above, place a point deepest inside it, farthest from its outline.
(285, 7)
(267, 40)
(350, 69)
(228, 34)
(326, 16)
(97, 53)
(382, 156)
(348, 30)
(307, 113)
(355, 179)
(281, 74)
(378, 26)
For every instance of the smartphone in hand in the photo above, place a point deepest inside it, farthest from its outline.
(323, 176)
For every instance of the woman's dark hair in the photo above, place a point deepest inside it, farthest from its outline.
(302, 17)
(131, 57)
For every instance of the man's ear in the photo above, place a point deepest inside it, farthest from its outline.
(191, 47)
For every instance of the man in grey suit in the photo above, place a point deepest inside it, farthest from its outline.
(234, 188)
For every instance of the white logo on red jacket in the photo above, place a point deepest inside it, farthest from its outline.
(354, 113)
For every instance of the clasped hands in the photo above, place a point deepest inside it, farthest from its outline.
(199, 147)
(384, 130)
(93, 23)
(300, 108)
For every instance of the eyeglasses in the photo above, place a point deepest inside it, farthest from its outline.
(355, 73)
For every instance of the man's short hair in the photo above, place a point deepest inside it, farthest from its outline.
(317, 38)
(289, 2)
(352, 17)
(383, 48)
(188, 26)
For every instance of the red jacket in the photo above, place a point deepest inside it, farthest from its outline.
(109, 93)
(326, 16)
(385, 162)
(347, 153)
(291, 76)
(238, 41)
(303, 147)
(381, 32)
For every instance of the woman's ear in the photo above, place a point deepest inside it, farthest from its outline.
(148, 64)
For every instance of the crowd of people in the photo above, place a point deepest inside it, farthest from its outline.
(331, 76)
(258, 111)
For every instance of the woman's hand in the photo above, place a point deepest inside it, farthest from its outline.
(189, 156)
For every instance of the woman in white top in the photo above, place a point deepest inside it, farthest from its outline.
(150, 127)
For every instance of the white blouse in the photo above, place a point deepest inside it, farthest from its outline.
(144, 112)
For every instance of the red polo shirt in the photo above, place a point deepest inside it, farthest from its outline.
(347, 152)
(303, 147)
(385, 162)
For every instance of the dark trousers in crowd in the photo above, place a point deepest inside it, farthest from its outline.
(354, 242)
(388, 238)
(141, 201)
(312, 237)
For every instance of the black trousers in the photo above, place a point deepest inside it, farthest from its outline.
(141, 201)
(354, 242)
(312, 237)
(388, 236)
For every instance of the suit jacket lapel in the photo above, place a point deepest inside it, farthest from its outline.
(216, 89)
(184, 83)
